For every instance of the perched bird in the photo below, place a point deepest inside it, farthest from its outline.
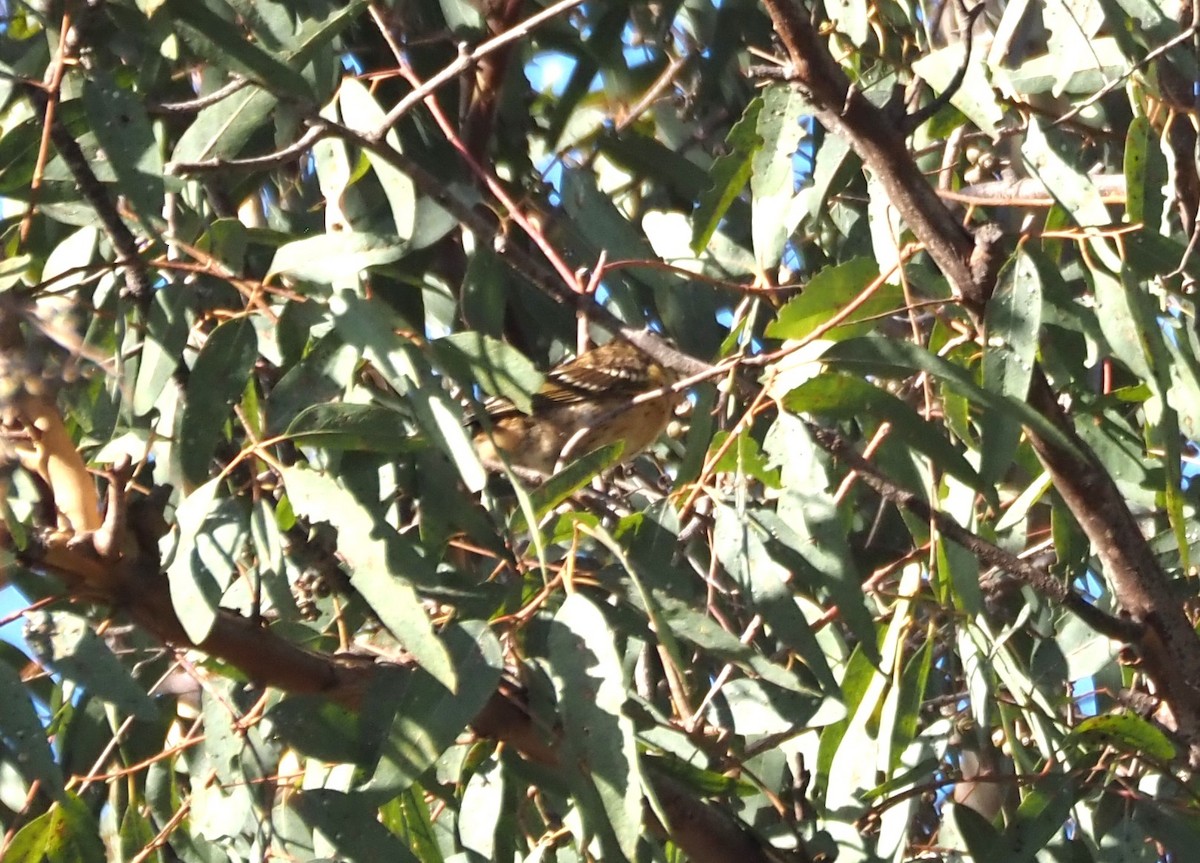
(585, 403)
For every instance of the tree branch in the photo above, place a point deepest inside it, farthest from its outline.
(880, 143)
(1167, 642)
(1036, 577)
(138, 283)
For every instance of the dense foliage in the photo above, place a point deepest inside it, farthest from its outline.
(910, 578)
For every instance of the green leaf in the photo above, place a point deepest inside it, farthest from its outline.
(215, 384)
(603, 43)
(318, 378)
(744, 458)
(500, 369)
(166, 334)
(845, 397)
(21, 731)
(921, 772)
(1087, 652)
(759, 709)
(591, 694)
(602, 226)
(1184, 368)
(1126, 732)
(371, 327)
(383, 566)
(220, 41)
(351, 829)
(66, 643)
(222, 130)
(853, 17)
(887, 358)
(911, 693)
(729, 175)
(693, 626)
(1069, 185)
(1124, 316)
(644, 155)
(565, 483)
(318, 727)
(773, 178)
(331, 258)
(313, 34)
(958, 569)
(1013, 323)
(485, 800)
(831, 291)
(67, 832)
(748, 544)
(1078, 72)
(709, 783)
(224, 743)
(195, 589)
(122, 127)
(136, 833)
(67, 266)
(363, 114)
(688, 316)
(1178, 830)
(428, 718)
(1145, 174)
(12, 269)
(807, 506)
(976, 98)
(1041, 815)
(1129, 318)
(409, 817)
(979, 836)
(367, 428)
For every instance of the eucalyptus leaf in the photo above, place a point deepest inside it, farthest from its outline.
(383, 566)
(590, 686)
(217, 380)
(67, 644)
(329, 258)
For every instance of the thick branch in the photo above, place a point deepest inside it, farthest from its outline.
(707, 834)
(1169, 647)
(1168, 644)
(880, 143)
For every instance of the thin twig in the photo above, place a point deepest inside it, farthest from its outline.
(466, 60)
(51, 90)
(191, 106)
(656, 89)
(1120, 79)
(914, 120)
(283, 156)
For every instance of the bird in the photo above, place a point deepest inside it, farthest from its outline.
(585, 403)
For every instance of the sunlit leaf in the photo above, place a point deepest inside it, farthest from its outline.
(729, 176)
(383, 566)
(591, 692)
(835, 292)
(329, 258)
(1125, 731)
